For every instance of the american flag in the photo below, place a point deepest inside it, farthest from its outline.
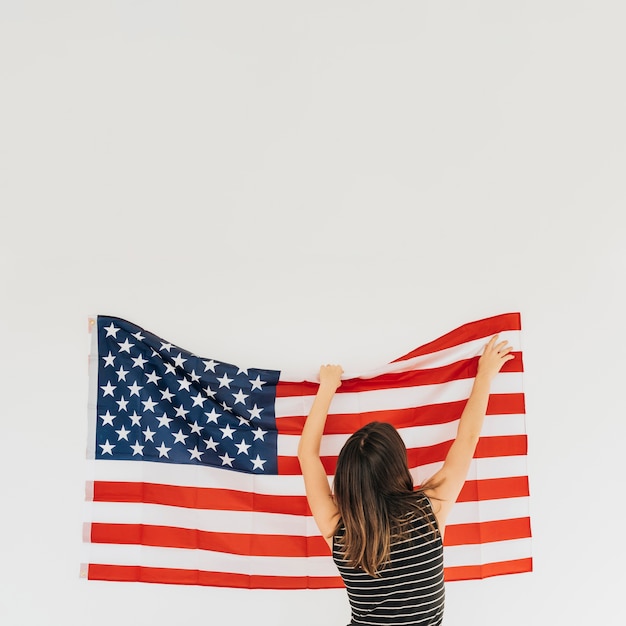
(193, 478)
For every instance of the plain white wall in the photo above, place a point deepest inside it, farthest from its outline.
(285, 183)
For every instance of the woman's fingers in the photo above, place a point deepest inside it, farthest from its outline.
(331, 374)
(495, 355)
(502, 348)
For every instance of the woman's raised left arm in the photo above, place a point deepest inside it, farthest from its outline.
(318, 492)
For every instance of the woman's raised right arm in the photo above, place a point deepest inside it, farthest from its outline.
(448, 481)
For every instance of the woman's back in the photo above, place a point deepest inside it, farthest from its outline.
(373, 495)
(410, 588)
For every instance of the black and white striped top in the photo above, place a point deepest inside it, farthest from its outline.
(410, 588)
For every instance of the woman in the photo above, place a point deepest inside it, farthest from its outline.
(386, 538)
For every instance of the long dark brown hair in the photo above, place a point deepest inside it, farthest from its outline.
(374, 492)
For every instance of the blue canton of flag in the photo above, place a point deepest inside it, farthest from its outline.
(157, 402)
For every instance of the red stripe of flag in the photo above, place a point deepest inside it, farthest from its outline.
(473, 572)
(198, 497)
(132, 573)
(259, 545)
(245, 544)
(231, 500)
(485, 532)
(427, 415)
(488, 447)
(459, 370)
(494, 489)
(468, 332)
